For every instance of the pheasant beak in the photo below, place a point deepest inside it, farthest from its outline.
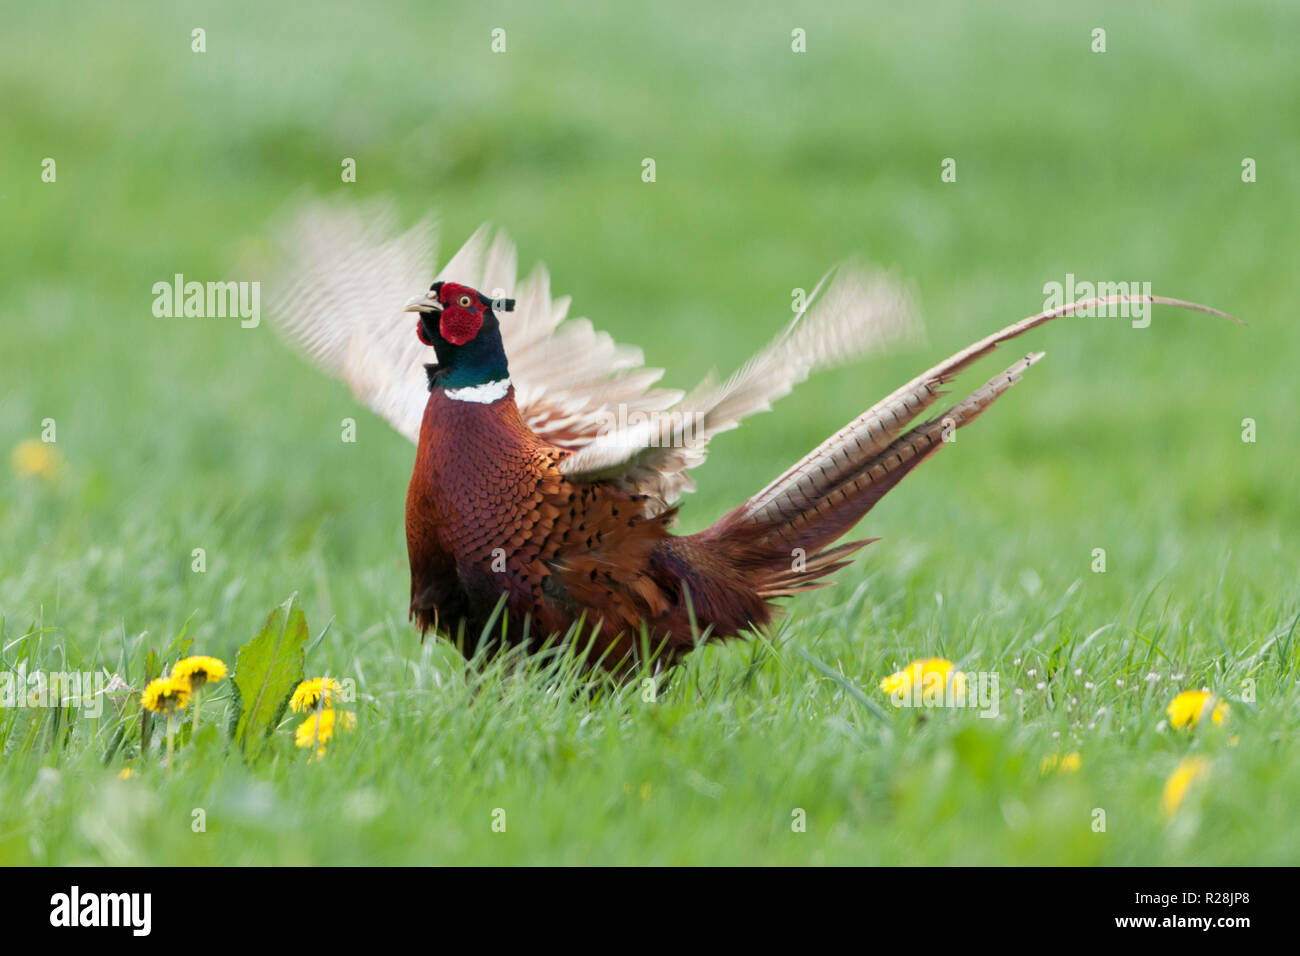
(423, 303)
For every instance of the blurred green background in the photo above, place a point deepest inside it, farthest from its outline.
(175, 434)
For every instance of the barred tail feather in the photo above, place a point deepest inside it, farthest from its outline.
(783, 534)
(809, 519)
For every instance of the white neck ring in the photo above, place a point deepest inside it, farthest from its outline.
(484, 394)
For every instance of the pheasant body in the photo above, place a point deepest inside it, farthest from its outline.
(548, 468)
(489, 513)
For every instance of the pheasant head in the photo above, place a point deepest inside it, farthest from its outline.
(461, 325)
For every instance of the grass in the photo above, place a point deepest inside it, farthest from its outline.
(182, 434)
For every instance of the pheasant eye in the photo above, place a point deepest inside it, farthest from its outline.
(464, 302)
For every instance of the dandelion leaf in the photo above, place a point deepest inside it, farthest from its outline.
(267, 669)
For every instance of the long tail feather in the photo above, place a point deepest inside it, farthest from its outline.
(828, 491)
(873, 430)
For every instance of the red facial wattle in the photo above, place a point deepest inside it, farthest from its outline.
(458, 326)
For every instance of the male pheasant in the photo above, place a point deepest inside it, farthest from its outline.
(548, 467)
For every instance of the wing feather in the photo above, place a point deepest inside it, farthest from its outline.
(849, 315)
(346, 272)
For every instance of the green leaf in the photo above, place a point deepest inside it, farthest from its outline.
(267, 669)
(146, 725)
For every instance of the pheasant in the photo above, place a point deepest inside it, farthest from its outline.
(549, 465)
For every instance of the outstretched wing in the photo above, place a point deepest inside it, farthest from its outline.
(856, 312)
(347, 271)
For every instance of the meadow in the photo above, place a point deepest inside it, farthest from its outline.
(1173, 449)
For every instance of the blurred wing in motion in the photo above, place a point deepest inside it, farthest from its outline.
(347, 272)
(849, 315)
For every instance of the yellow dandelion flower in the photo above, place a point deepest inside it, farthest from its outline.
(319, 728)
(1187, 708)
(166, 695)
(1067, 763)
(126, 774)
(1180, 781)
(199, 671)
(309, 693)
(35, 459)
(933, 675)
